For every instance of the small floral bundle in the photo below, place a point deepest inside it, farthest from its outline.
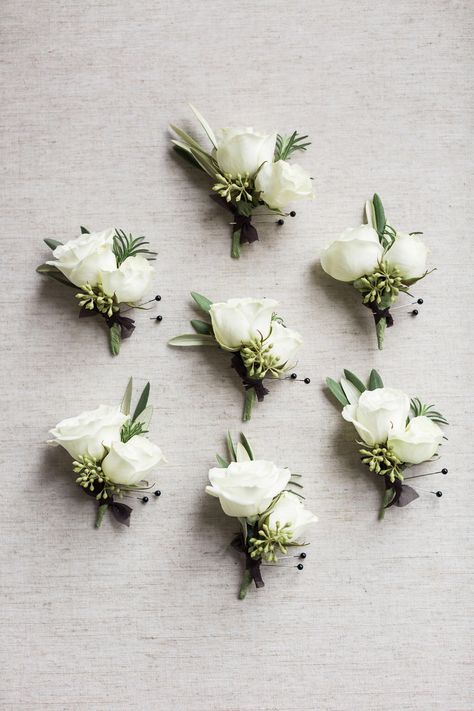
(262, 497)
(111, 454)
(379, 261)
(396, 432)
(249, 170)
(110, 268)
(250, 329)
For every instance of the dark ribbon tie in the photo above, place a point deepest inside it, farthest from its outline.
(238, 365)
(248, 233)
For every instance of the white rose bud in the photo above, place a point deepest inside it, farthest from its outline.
(355, 253)
(285, 344)
(418, 442)
(246, 489)
(81, 260)
(281, 183)
(238, 321)
(410, 254)
(242, 151)
(379, 414)
(90, 432)
(130, 462)
(130, 281)
(289, 509)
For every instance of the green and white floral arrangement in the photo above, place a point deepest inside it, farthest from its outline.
(250, 171)
(266, 500)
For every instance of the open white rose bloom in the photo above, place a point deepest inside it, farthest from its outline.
(379, 261)
(109, 268)
(394, 432)
(267, 502)
(250, 171)
(111, 452)
(262, 346)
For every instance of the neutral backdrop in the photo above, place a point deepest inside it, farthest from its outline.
(148, 618)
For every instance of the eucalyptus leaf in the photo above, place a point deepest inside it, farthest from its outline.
(246, 444)
(193, 339)
(354, 380)
(201, 326)
(375, 381)
(142, 402)
(202, 301)
(230, 447)
(127, 398)
(337, 391)
(114, 335)
(52, 243)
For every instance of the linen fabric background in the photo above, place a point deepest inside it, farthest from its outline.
(381, 617)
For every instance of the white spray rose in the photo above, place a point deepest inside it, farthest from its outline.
(409, 253)
(238, 321)
(130, 281)
(289, 509)
(356, 252)
(246, 489)
(130, 462)
(280, 183)
(90, 432)
(418, 442)
(242, 151)
(379, 414)
(81, 260)
(285, 344)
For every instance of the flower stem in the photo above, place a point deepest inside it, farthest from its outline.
(248, 404)
(380, 328)
(100, 514)
(244, 585)
(235, 251)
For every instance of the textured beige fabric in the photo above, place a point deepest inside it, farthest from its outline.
(147, 618)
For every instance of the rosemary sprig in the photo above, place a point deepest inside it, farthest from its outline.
(286, 145)
(125, 246)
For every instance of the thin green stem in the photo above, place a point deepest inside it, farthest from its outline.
(100, 514)
(244, 585)
(248, 404)
(380, 328)
(235, 251)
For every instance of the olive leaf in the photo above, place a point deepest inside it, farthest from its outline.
(375, 381)
(202, 301)
(337, 391)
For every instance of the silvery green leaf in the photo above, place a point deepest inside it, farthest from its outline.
(241, 453)
(354, 380)
(193, 339)
(379, 212)
(142, 402)
(145, 416)
(375, 381)
(188, 140)
(202, 301)
(205, 125)
(231, 448)
(370, 214)
(127, 398)
(222, 462)
(350, 391)
(337, 391)
(188, 156)
(201, 326)
(53, 243)
(246, 444)
(53, 272)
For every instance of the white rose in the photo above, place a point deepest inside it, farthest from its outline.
(89, 433)
(354, 253)
(130, 281)
(238, 321)
(285, 344)
(418, 442)
(82, 259)
(410, 254)
(379, 414)
(282, 182)
(246, 489)
(130, 462)
(243, 150)
(289, 509)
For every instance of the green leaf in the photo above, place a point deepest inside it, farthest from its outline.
(354, 380)
(145, 417)
(337, 391)
(193, 339)
(246, 444)
(84, 231)
(128, 246)
(230, 447)
(201, 326)
(205, 125)
(241, 453)
(375, 381)
(222, 462)
(370, 214)
(202, 301)
(127, 398)
(114, 334)
(53, 272)
(187, 155)
(189, 141)
(142, 402)
(53, 243)
(286, 145)
(379, 215)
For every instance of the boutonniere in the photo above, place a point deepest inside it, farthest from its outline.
(395, 432)
(265, 500)
(379, 261)
(249, 170)
(112, 456)
(262, 347)
(108, 270)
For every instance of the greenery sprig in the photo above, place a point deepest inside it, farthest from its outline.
(286, 145)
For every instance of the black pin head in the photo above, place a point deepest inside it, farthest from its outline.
(280, 221)
(292, 213)
(300, 566)
(307, 381)
(439, 494)
(157, 492)
(293, 376)
(415, 312)
(145, 499)
(444, 471)
(303, 555)
(157, 297)
(159, 318)
(419, 301)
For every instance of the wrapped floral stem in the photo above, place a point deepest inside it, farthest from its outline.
(395, 432)
(250, 172)
(379, 261)
(112, 456)
(266, 501)
(260, 346)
